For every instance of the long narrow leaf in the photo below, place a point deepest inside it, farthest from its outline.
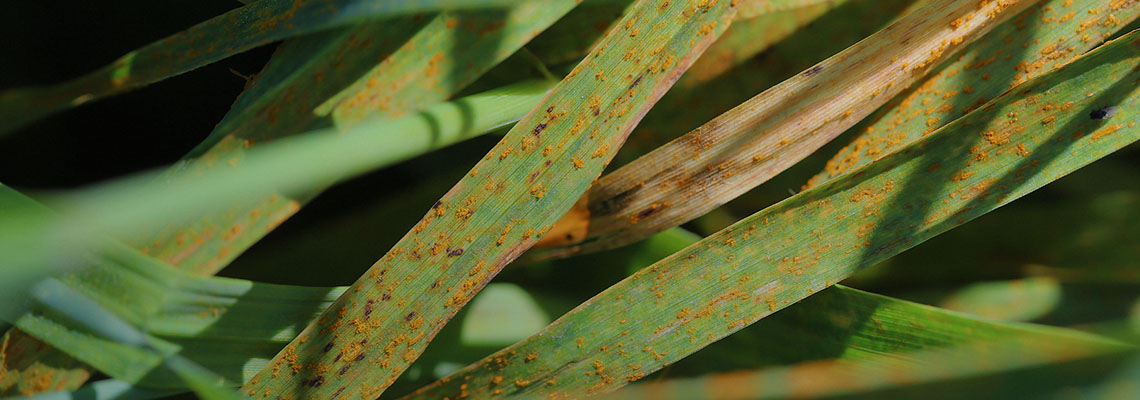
(1022, 368)
(300, 164)
(292, 165)
(516, 193)
(1087, 240)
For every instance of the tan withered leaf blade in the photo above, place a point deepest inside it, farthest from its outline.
(810, 241)
(733, 70)
(749, 144)
(510, 198)
(1031, 44)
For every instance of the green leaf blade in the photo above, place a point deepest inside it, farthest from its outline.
(501, 208)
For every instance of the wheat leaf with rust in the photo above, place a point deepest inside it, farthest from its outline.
(506, 202)
(1031, 366)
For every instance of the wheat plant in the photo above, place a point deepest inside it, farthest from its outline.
(766, 152)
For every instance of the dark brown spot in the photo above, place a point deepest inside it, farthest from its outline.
(1103, 113)
(814, 70)
(703, 175)
(635, 82)
(345, 369)
(359, 357)
(615, 203)
(316, 382)
(550, 109)
(385, 297)
(538, 129)
(647, 212)
(337, 392)
(455, 252)
(328, 347)
(410, 316)
(437, 204)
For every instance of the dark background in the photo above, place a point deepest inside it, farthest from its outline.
(49, 42)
